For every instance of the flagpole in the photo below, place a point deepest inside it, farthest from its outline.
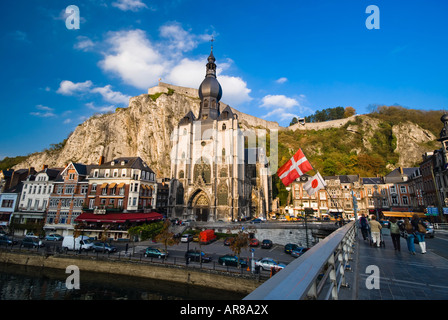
(335, 201)
(325, 187)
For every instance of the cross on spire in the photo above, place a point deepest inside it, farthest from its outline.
(212, 40)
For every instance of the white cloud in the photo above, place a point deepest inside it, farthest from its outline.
(129, 5)
(278, 101)
(187, 73)
(141, 62)
(282, 108)
(47, 112)
(234, 90)
(281, 80)
(279, 114)
(133, 58)
(111, 96)
(180, 40)
(84, 43)
(69, 88)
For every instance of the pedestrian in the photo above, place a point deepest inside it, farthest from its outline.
(395, 233)
(420, 231)
(410, 235)
(364, 226)
(375, 229)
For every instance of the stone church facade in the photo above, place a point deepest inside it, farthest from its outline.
(214, 176)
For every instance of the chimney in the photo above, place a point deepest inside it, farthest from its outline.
(401, 170)
(101, 161)
(45, 166)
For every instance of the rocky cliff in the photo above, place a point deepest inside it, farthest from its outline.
(145, 126)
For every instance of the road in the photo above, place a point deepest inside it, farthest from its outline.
(177, 252)
(438, 244)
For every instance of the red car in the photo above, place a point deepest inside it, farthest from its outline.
(254, 242)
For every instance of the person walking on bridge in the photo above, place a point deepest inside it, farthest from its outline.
(420, 231)
(375, 229)
(395, 233)
(364, 225)
(410, 235)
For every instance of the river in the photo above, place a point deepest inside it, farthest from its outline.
(31, 283)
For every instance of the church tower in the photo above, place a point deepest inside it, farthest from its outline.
(210, 92)
(211, 177)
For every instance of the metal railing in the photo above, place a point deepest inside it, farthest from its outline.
(317, 274)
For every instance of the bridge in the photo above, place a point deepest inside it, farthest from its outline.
(343, 266)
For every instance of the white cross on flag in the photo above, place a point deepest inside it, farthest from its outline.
(294, 168)
(314, 184)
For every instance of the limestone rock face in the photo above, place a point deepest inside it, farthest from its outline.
(144, 129)
(412, 142)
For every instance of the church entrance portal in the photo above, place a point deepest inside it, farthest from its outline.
(201, 207)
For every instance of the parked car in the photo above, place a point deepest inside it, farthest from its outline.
(186, 238)
(297, 252)
(228, 241)
(5, 240)
(103, 247)
(429, 229)
(157, 253)
(257, 220)
(268, 263)
(229, 260)
(54, 237)
(80, 243)
(198, 256)
(254, 242)
(266, 244)
(32, 242)
(289, 247)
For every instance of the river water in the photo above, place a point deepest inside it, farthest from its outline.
(32, 283)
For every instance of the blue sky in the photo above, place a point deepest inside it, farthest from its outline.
(275, 59)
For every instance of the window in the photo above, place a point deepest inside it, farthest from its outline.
(392, 189)
(115, 172)
(403, 189)
(96, 173)
(7, 203)
(405, 200)
(107, 173)
(394, 200)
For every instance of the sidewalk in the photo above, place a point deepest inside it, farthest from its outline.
(402, 276)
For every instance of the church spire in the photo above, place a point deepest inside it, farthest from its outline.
(211, 66)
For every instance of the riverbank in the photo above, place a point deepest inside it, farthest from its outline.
(237, 283)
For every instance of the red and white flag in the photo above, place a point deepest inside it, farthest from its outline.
(294, 168)
(314, 184)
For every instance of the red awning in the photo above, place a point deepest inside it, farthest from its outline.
(119, 217)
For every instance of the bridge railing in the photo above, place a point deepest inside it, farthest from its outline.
(317, 274)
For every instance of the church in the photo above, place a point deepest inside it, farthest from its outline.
(215, 175)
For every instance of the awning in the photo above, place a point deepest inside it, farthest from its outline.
(119, 217)
(104, 185)
(399, 214)
(121, 185)
(113, 184)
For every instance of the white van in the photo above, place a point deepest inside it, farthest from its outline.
(82, 242)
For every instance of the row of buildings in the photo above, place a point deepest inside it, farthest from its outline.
(100, 199)
(402, 192)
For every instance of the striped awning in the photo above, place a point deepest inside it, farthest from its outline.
(399, 214)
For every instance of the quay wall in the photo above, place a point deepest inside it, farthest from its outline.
(204, 278)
